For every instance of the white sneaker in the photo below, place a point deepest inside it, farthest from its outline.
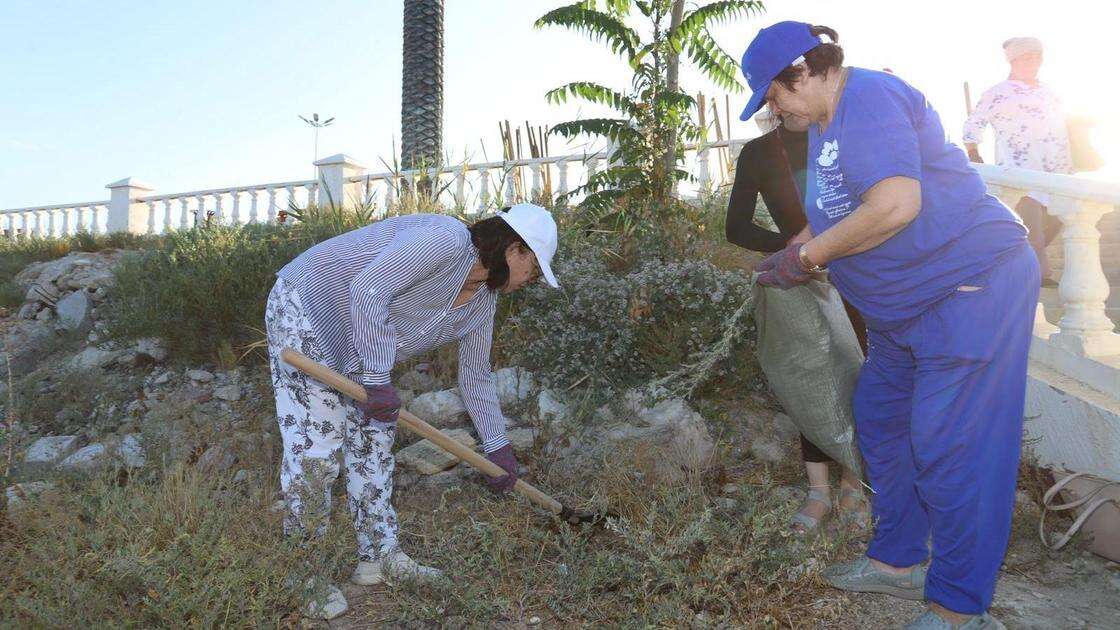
(396, 565)
(327, 603)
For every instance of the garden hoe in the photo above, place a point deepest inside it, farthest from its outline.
(328, 376)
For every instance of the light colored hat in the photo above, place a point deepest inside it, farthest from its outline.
(536, 225)
(1019, 46)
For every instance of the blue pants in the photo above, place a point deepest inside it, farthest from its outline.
(939, 416)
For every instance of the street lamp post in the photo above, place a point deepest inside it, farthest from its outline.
(317, 125)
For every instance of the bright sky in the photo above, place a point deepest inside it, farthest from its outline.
(206, 93)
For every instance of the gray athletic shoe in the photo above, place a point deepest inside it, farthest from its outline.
(932, 621)
(861, 577)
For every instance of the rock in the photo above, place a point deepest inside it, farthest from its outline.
(514, 385)
(135, 408)
(421, 381)
(51, 271)
(74, 312)
(326, 605)
(130, 452)
(278, 506)
(725, 503)
(683, 431)
(678, 434)
(48, 450)
(28, 310)
(406, 396)
(522, 439)
(215, 459)
(151, 347)
(766, 450)
(241, 476)
(439, 409)
(100, 294)
(88, 278)
(86, 459)
(534, 621)
(21, 492)
(200, 376)
(730, 488)
(228, 393)
(445, 479)
(784, 427)
(44, 315)
(26, 343)
(551, 412)
(405, 479)
(162, 379)
(94, 357)
(428, 459)
(45, 293)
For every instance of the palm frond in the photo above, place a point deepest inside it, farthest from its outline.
(674, 100)
(698, 20)
(616, 129)
(582, 17)
(714, 62)
(592, 93)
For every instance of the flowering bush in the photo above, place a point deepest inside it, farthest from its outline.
(623, 330)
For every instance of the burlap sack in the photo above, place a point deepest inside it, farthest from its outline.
(811, 356)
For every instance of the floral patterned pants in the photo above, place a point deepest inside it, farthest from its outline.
(316, 423)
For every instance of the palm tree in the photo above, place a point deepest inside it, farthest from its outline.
(422, 83)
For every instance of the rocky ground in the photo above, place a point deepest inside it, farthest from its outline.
(85, 405)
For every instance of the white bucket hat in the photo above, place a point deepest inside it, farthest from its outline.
(537, 227)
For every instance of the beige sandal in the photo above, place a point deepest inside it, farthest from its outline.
(801, 522)
(858, 517)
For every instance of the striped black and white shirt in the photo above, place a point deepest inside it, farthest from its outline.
(383, 293)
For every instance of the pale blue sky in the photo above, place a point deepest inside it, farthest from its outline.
(205, 93)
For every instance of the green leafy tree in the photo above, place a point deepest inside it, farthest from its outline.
(654, 117)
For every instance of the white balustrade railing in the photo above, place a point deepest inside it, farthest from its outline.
(54, 221)
(1084, 328)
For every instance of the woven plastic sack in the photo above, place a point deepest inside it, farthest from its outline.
(811, 356)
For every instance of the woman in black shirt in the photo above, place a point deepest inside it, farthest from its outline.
(774, 164)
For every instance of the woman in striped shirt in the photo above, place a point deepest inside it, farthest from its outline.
(359, 303)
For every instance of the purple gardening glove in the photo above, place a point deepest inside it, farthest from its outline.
(382, 404)
(504, 458)
(783, 269)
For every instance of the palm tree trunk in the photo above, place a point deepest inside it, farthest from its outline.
(672, 74)
(422, 84)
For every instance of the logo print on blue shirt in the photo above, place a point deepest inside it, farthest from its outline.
(829, 152)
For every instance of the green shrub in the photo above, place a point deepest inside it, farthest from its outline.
(204, 289)
(182, 549)
(618, 330)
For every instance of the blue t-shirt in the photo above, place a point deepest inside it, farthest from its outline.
(883, 128)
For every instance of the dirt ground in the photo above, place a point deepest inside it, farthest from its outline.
(1038, 588)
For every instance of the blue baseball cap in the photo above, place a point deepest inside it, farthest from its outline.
(774, 49)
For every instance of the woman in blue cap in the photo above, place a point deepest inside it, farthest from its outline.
(947, 283)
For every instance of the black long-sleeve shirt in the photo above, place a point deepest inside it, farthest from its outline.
(774, 165)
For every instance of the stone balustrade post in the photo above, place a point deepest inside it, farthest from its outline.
(1085, 329)
(333, 171)
(126, 212)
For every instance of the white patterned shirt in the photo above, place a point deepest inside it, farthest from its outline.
(383, 293)
(1029, 124)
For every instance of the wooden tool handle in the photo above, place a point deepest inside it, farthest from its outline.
(333, 379)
